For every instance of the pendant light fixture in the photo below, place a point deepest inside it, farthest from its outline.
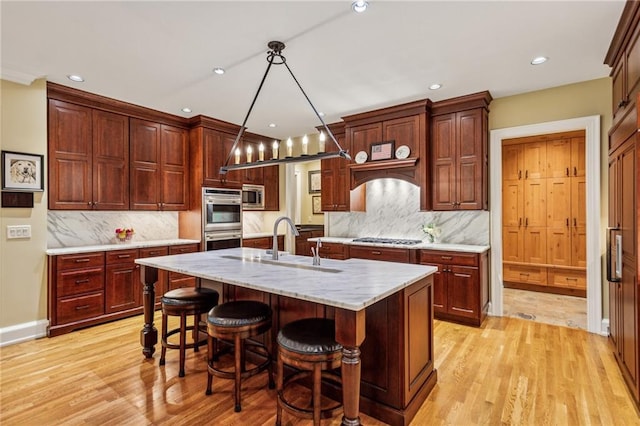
(274, 57)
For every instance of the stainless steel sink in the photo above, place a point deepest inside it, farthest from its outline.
(281, 263)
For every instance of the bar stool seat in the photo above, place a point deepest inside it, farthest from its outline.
(236, 322)
(308, 345)
(184, 302)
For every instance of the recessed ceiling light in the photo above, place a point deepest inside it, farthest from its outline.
(435, 86)
(359, 6)
(218, 70)
(539, 60)
(272, 125)
(76, 78)
(186, 109)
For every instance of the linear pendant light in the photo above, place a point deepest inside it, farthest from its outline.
(274, 57)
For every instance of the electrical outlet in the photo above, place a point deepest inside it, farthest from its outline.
(18, 231)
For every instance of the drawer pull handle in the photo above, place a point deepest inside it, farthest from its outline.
(84, 260)
(82, 281)
(79, 308)
(446, 257)
(522, 274)
(154, 252)
(124, 256)
(571, 279)
(376, 252)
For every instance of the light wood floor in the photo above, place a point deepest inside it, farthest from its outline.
(510, 371)
(556, 309)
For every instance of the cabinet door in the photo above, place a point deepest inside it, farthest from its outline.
(463, 298)
(535, 206)
(578, 157)
(110, 161)
(145, 186)
(174, 155)
(122, 287)
(252, 176)
(443, 160)
(558, 158)
(70, 156)
(439, 290)
(404, 131)
(535, 160)
(535, 245)
(579, 246)
(629, 321)
(579, 201)
(628, 202)
(271, 176)
(513, 244)
(559, 246)
(558, 203)
(619, 89)
(512, 162)
(512, 203)
(470, 154)
(361, 137)
(335, 180)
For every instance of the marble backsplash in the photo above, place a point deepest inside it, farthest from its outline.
(393, 211)
(81, 228)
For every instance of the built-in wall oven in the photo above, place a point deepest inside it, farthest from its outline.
(221, 218)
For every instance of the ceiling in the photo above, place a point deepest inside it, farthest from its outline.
(161, 54)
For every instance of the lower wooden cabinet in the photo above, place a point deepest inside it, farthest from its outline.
(460, 286)
(303, 246)
(388, 254)
(334, 251)
(92, 288)
(263, 242)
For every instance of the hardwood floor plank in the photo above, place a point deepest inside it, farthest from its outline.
(510, 371)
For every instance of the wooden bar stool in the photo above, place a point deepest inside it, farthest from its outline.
(236, 322)
(183, 302)
(308, 345)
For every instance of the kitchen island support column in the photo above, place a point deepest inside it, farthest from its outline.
(148, 334)
(350, 333)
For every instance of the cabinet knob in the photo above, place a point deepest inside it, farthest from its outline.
(526, 222)
(567, 221)
(89, 203)
(575, 222)
(575, 171)
(567, 171)
(519, 174)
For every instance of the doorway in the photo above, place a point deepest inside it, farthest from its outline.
(591, 126)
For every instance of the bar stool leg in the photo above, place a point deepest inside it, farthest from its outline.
(163, 353)
(183, 342)
(196, 332)
(239, 352)
(210, 352)
(279, 385)
(317, 382)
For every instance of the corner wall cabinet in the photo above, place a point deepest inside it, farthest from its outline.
(624, 196)
(93, 288)
(544, 213)
(459, 153)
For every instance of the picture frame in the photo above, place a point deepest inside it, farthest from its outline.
(22, 171)
(382, 151)
(316, 204)
(315, 183)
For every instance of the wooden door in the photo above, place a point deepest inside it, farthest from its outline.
(470, 156)
(535, 245)
(579, 246)
(558, 154)
(578, 156)
(216, 148)
(361, 137)
(439, 290)
(144, 151)
(535, 160)
(513, 244)
(512, 162)
(334, 176)
(174, 166)
(535, 205)
(122, 287)
(579, 201)
(559, 246)
(271, 177)
(463, 296)
(443, 151)
(628, 203)
(110, 161)
(512, 203)
(404, 131)
(252, 176)
(70, 156)
(558, 202)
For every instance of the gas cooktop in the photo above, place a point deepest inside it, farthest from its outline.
(386, 241)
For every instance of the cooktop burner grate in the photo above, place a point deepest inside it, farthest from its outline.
(387, 241)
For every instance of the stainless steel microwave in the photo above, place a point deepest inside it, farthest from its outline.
(253, 197)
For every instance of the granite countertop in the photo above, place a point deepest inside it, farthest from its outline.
(123, 246)
(259, 235)
(351, 284)
(464, 248)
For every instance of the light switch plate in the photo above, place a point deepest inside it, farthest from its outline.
(18, 231)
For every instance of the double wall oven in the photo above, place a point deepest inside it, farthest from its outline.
(221, 218)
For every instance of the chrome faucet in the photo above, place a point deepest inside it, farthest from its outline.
(275, 233)
(316, 253)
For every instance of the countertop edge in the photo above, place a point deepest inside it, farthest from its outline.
(463, 248)
(110, 247)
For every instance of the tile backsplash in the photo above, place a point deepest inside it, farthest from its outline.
(81, 228)
(393, 211)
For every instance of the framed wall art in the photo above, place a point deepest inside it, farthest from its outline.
(22, 171)
(382, 151)
(315, 185)
(316, 204)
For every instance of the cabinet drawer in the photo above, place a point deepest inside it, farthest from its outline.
(328, 249)
(121, 256)
(453, 258)
(568, 278)
(80, 281)
(187, 248)
(380, 253)
(525, 274)
(82, 307)
(84, 260)
(153, 252)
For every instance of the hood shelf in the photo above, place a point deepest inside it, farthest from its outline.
(404, 169)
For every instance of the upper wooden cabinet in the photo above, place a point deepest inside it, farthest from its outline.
(159, 166)
(459, 153)
(88, 158)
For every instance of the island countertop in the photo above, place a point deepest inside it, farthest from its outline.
(351, 284)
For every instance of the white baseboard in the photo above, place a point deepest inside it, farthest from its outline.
(23, 332)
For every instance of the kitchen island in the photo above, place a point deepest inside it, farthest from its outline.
(383, 314)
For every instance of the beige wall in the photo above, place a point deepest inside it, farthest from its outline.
(23, 280)
(560, 103)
